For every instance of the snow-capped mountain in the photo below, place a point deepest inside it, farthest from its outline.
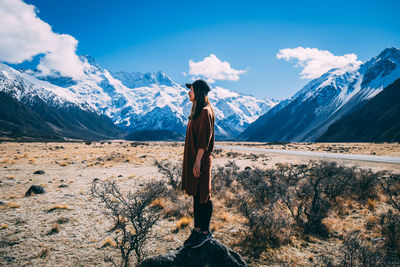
(152, 101)
(31, 108)
(142, 101)
(308, 114)
(23, 87)
(138, 79)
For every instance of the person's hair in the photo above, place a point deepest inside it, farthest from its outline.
(200, 101)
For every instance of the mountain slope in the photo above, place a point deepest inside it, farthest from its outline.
(38, 109)
(308, 114)
(377, 121)
(18, 120)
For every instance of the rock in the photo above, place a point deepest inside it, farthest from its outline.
(247, 168)
(211, 254)
(63, 186)
(39, 172)
(35, 189)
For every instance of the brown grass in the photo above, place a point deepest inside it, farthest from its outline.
(4, 160)
(372, 222)
(224, 216)
(59, 207)
(371, 204)
(183, 223)
(55, 229)
(350, 203)
(158, 202)
(10, 205)
(216, 225)
(44, 253)
(108, 242)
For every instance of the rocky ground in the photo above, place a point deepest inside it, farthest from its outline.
(65, 226)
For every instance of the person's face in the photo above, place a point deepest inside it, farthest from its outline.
(191, 94)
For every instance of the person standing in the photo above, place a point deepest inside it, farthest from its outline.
(197, 161)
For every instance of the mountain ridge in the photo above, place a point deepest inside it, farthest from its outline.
(308, 114)
(154, 102)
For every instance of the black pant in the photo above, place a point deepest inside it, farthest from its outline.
(202, 212)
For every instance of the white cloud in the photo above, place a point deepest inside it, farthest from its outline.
(23, 35)
(316, 62)
(214, 69)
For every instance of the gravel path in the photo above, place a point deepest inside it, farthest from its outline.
(385, 159)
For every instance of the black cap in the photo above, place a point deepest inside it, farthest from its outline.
(201, 84)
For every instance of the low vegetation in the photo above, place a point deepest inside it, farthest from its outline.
(133, 217)
(282, 206)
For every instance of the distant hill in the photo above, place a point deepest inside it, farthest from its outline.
(155, 135)
(377, 121)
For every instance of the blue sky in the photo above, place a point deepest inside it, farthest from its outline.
(148, 36)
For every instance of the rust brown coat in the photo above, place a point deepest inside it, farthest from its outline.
(199, 134)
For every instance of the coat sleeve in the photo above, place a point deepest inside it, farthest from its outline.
(205, 129)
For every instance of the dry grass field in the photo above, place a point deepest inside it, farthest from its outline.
(65, 226)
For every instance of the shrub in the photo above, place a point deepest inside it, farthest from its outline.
(390, 229)
(178, 206)
(301, 189)
(357, 252)
(390, 184)
(390, 221)
(173, 173)
(135, 144)
(223, 177)
(255, 198)
(364, 185)
(309, 192)
(266, 227)
(259, 184)
(133, 216)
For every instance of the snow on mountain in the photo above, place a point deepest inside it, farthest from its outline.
(236, 111)
(138, 79)
(141, 101)
(23, 87)
(32, 109)
(308, 114)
